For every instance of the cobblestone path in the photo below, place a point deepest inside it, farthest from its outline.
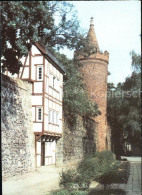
(133, 186)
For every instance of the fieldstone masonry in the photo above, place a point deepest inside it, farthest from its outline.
(77, 141)
(18, 155)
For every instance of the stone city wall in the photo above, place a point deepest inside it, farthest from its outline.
(17, 137)
(78, 140)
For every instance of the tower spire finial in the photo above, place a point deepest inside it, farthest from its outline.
(92, 21)
(92, 36)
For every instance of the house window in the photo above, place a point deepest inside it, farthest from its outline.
(51, 80)
(39, 114)
(53, 117)
(39, 73)
(54, 81)
(57, 118)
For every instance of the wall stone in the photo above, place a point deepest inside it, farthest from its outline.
(18, 155)
(78, 140)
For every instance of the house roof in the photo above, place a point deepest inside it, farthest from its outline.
(50, 57)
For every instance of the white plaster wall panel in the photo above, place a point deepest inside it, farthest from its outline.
(46, 123)
(61, 80)
(57, 129)
(37, 127)
(46, 105)
(54, 70)
(48, 64)
(38, 160)
(60, 127)
(53, 148)
(50, 67)
(60, 95)
(53, 94)
(23, 60)
(50, 91)
(53, 106)
(60, 113)
(33, 69)
(38, 87)
(50, 104)
(38, 60)
(46, 67)
(46, 161)
(57, 73)
(38, 146)
(26, 73)
(57, 96)
(47, 149)
(13, 76)
(49, 160)
(36, 100)
(33, 113)
(20, 71)
(46, 84)
(35, 50)
(50, 127)
(27, 61)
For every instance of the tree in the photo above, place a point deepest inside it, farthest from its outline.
(26, 22)
(124, 114)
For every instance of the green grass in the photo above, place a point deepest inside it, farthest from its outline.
(66, 192)
(92, 192)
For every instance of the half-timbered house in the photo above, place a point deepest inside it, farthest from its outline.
(45, 73)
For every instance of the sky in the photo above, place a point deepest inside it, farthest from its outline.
(118, 27)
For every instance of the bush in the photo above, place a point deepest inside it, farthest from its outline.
(88, 168)
(66, 192)
(105, 156)
(73, 180)
(101, 168)
(108, 173)
(60, 192)
(124, 171)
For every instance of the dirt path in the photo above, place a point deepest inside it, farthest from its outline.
(41, 182)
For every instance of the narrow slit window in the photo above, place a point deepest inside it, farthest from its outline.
(40, 73)
(39, 114)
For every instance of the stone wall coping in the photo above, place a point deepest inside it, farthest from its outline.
(16, 82)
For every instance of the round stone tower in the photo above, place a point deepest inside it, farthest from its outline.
(95, 70)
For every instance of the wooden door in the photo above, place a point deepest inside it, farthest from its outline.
(42, 153)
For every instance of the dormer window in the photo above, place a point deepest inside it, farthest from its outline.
(39, 73)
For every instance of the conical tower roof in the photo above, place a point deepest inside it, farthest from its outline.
(91, 37)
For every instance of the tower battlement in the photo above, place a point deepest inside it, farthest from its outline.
(97, 56)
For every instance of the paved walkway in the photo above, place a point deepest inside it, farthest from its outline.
(133, 186)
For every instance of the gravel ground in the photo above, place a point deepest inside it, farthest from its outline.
(41, 182)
